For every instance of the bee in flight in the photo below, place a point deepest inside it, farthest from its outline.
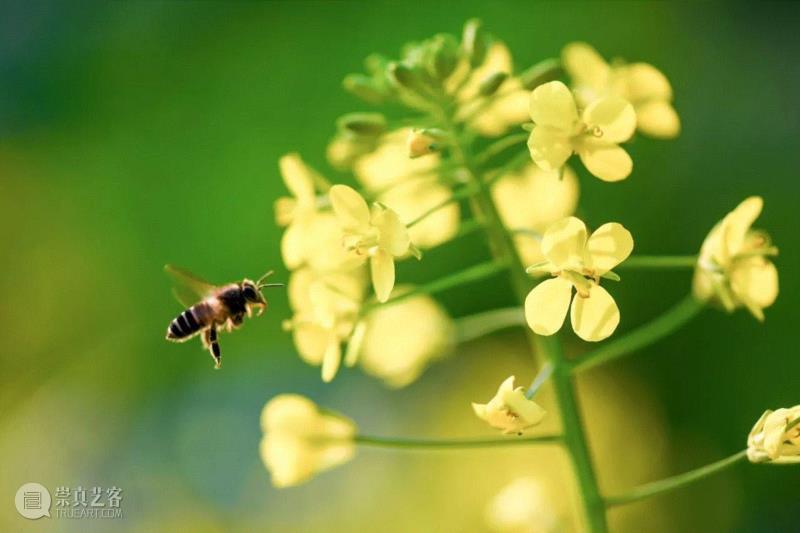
(218, 307)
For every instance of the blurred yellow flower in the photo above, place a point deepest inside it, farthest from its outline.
(595, 135)
(529, 200)
(733, 267)
(643, 85)
(402, 339)
(774, 439)
(510, 410)
(523, 506)
(326, 313)
(377, 235)
(579, 262)
(410, 186)
(300, 440)
(297, 211)
(495, 114)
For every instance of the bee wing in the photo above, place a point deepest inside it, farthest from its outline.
(188, 288)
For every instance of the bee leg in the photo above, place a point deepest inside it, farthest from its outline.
(211, 343)
(261, 308)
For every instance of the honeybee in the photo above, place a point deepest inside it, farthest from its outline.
(218, 307)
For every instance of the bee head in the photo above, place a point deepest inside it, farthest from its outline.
(251, 292)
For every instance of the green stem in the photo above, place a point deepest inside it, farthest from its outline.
(464, 192)
(654, 330)
(659, 261)
(450, 444)
(481, 324)
(502, 244)
(513, 164)
(675, 482)
(500, 146)
(473, 273)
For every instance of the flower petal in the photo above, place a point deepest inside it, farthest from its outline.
(547, 304)
(564, 243)
(392, 233)
(754, 281)
(382, 267)
(552, 104)
(585, 66)
(646, 82)
(609, 245)
(549, 147)
(658, 119)
(737, 223)
(614, 116)
(297, 176)
(350, 208)
(607, 162)
(595, 317)
(331, 359)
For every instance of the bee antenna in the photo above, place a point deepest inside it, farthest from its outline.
(265, 276)
(264, 285)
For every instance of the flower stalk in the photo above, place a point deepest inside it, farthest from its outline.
(659, 261)
(675, 482)
(451, 444)
(645, 335)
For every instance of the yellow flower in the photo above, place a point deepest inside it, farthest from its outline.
(295, 212)
(595, 135)
(326, 309)
(579, 262)
(523, 506)
(493, 115)
(510, 410)
(643, 85)
(377, 235)
(402, 339)
(300, 440)
(410, 186)
(733, 267)
(774, 439)
(531, 199)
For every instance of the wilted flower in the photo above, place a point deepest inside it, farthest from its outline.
(643, 85)
(523, 506)
(559, 132)
(733, 267)
(402, 339)
(326, 315)
(531, 199)
(776, 437)
(577, 262)
(510, 410)
(300, 440)
(410, 186)
(377, 235)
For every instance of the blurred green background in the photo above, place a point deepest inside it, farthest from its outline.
(133, 134)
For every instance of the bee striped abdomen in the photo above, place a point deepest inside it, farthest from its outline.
(185, 325)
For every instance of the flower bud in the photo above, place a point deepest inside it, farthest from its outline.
(424, 142)
(491, 83)
(363, 87)
(542, 72)
(443, 56)
(405, 77)
(474, 42)
(363, 124)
